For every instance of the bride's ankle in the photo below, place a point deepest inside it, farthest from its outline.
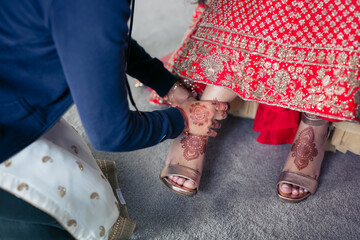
(313, 120)
(308, 148)
(318, 123)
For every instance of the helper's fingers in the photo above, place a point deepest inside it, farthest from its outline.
(212, 133)
(220, 115)
(221, 106)
(216, 125)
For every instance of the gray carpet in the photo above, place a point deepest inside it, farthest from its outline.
(237, 198)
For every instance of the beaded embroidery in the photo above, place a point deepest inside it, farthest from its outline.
(302, 55)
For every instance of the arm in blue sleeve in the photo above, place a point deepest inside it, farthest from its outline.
(150, 71)
(90, 37)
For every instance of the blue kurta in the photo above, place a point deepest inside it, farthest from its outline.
(56, 52)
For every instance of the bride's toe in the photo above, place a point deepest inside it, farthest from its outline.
(295, 190)
(189, 184)
(285, 188)
(180, 181)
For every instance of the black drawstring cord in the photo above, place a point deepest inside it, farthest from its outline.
(128, 55)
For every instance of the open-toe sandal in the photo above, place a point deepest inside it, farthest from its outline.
(298, 179)
(180, 171)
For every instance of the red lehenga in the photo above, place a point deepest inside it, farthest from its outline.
(284, 54)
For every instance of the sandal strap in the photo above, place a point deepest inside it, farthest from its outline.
(180, 171)
(312, 120)
(298, 179)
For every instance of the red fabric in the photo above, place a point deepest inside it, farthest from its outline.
(297, 57)
(276, 125)
(165, 59)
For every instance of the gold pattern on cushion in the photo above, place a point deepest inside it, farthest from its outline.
(95, 195)
(7, 163)
(80, 165)
(102, 231)
(75, 149)
(22, 186)
(62, 191)
(47, 159)
(71, 222)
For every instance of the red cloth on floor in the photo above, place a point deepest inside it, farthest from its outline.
(276, 125)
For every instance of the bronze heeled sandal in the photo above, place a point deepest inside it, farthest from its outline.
(184, 172)
(193, 149)
(296, 178)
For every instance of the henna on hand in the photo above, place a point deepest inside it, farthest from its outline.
(194, 146)
(304, 149)
(199, 114)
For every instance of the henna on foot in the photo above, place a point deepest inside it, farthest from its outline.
(306, 154)
(187, 150)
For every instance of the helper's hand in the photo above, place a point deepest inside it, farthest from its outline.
(178, 94)
(201, 116)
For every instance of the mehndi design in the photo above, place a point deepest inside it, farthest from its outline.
(194, 146)
(199, 114)
(304, 149)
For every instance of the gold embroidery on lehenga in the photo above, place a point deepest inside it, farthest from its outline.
(279, 42)
(212, 65)
(317, 59)
(311, 75)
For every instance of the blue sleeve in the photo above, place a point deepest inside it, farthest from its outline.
(150, 71)
(90, 37)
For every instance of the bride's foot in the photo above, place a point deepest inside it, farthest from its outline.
(185, 160)
(305, 157)
(187, 151)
